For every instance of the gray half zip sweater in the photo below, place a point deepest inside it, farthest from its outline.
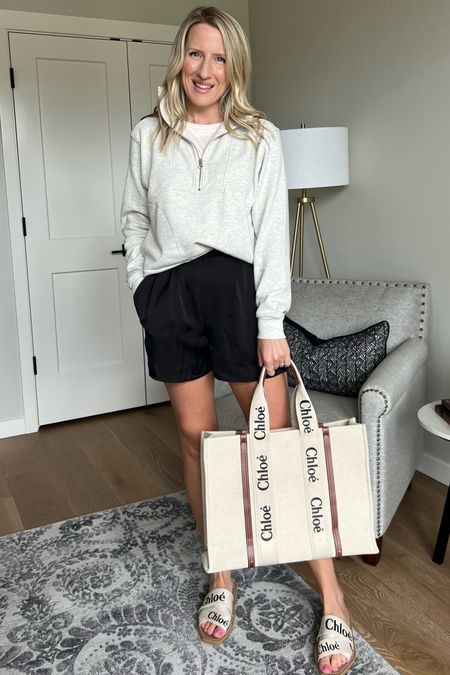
(178, 206)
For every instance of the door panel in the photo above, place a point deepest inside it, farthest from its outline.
(148, 65)
(81, 315)
(91, 184)
(73, 123)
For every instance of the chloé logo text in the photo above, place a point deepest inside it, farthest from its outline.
(259, 423)
(262, 473)
(311, 464)
(317, 514)
(305, 416)
(266, 523)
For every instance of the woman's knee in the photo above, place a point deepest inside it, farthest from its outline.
(190, 435)
(193, 405)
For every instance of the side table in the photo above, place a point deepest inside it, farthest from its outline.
(433, 423)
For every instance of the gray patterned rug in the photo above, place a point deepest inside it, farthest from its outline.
(117, 592)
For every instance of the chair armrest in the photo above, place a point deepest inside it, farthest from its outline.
(389, 380)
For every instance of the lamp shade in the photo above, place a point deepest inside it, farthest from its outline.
(315, 157)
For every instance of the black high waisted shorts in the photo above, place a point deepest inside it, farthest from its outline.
(199, 317)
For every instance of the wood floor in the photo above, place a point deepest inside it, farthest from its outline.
(402, 606)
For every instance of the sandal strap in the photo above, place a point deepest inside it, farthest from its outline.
(334, 637)
(217, 607)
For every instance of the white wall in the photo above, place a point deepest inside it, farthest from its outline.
(382, 69)
(170, 12)
(149, 11)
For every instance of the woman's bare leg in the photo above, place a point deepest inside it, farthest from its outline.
(323, 570)
(193, 405)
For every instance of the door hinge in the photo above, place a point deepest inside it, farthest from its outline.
(11, 77)
(34, 365)
(24, 226)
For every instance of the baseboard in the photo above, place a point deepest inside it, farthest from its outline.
(14, 427)
(435, 468)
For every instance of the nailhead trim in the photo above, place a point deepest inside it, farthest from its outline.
(386, 284)
(378, 451)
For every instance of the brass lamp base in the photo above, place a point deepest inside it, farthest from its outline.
(300, 224)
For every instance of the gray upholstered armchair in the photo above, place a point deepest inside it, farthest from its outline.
(389, 399)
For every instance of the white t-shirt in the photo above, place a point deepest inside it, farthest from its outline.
(201, 134)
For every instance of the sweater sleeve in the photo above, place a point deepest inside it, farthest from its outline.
(134, 216)
(270, 217)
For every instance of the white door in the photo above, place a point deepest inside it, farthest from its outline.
(73, 123)
(147, 65)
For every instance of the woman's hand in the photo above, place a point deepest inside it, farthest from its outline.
(273, 354)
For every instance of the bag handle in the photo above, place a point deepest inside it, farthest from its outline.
(310, 440)
(303, 415)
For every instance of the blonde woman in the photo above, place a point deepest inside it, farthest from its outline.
(205, 222)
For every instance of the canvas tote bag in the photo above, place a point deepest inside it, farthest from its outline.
(285, 495)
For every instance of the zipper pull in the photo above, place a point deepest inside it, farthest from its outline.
(200, 166)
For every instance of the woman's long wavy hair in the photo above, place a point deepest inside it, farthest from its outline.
(233, 104)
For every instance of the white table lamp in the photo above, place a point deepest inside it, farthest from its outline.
(313, 158)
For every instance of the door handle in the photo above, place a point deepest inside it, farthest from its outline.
(121, 250)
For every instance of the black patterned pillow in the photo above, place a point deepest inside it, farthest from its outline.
(339, 365)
